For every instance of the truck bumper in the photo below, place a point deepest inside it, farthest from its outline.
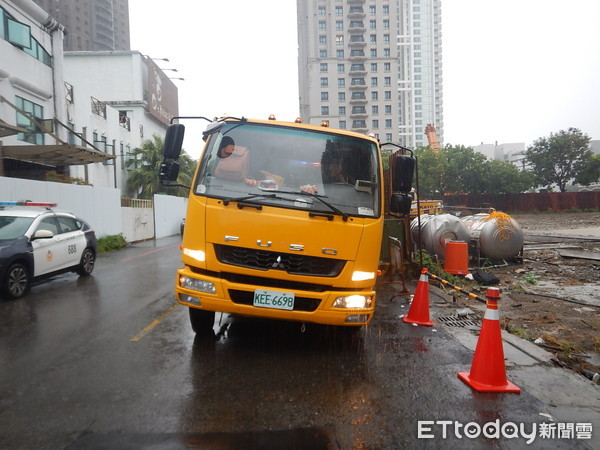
(309, 307)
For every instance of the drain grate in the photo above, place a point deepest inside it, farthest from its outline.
(460, 321)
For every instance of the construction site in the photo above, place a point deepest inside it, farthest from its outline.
(549, 294)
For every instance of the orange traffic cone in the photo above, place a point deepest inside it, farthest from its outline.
(488, 372)
(419, 308)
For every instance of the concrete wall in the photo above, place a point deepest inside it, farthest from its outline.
(168, 212)
(101, 207)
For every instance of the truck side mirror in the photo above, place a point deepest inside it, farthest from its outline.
(402, 171)
(400, 203)
(173, 141)
(169, 171)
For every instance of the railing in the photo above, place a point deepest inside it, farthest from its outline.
(136, 203)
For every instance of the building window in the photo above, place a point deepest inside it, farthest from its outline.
(373, 53)
(372, 25)
(372, 10)
(325, 96)
(374, 95)
(388, 109)
(342, 111)
(322, 25)
(323, 40)
(324, 110)
(386, 53)
(342, 124)
(373, 39)
(323, 67)
(321, 11)
(339, 54)
(341, 68)
(339, 40)
(339, 11)
(375, 124)
(387, 81)
(373, 81)
(388, 123)
(322, 53)
(387, 67)
(342, 96)
(35, 111)
(339, 25)
(388, 137)
(386, 24)
(387, 95)
(98, 107)
(324, 81)
(386, 38)
(375, 110)
(386, 9)
(373, 67)
(341, 82)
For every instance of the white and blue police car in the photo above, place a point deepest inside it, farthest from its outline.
(38, 241)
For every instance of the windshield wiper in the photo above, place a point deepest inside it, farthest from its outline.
(228, 200)
(320, 198)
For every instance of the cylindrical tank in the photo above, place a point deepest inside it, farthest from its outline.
(499, 236)
(436, 230)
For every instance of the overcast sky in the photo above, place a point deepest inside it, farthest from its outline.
(514, 70)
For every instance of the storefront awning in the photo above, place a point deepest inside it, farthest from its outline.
(7, 129)
(56, 155)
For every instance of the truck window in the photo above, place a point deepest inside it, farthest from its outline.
(247, 159)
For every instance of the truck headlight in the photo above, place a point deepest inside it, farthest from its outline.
(353, 301)
(198, 255)
(197, 285)
(358, 275)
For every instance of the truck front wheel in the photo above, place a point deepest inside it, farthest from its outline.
(202, 321)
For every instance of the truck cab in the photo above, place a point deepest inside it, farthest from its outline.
(284, 221)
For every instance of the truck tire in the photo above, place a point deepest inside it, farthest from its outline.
(202, 321)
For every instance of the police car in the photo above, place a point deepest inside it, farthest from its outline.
(37, 241)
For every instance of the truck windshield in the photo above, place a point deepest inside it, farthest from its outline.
(252, 161)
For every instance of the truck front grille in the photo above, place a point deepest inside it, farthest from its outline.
(295, 264)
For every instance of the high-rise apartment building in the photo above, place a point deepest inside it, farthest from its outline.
(91, 25)
(372, 66)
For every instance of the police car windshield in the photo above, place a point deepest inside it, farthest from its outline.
(249, 159)
(12, 227)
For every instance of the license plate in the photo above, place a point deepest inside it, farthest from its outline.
(273, 299)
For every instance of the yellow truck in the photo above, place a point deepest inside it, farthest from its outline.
(284, 221)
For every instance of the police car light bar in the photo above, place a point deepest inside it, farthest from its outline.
(27, 203)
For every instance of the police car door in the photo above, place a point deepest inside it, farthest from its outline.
(47, 252)
(73, 238)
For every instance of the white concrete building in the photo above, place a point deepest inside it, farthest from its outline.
(372, 67)
(33, 138)
(119, 100)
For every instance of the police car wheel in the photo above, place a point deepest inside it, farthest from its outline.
(88, 258)
(16, 281)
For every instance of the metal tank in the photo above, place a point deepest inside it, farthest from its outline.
(498, 235)
(436, 230)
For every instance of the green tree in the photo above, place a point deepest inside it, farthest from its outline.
(433, 177)
(466, 169)
(590, 172)
(143, 180)
(503, 177)
(558, 158)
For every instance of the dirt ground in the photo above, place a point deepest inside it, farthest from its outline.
(550, 299)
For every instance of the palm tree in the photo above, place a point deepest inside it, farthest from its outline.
(143, 180)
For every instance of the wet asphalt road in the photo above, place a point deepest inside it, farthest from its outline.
(111, 362)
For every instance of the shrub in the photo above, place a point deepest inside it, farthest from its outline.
(111, 243)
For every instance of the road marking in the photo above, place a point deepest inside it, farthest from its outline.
(147, 253)
(154, 323)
